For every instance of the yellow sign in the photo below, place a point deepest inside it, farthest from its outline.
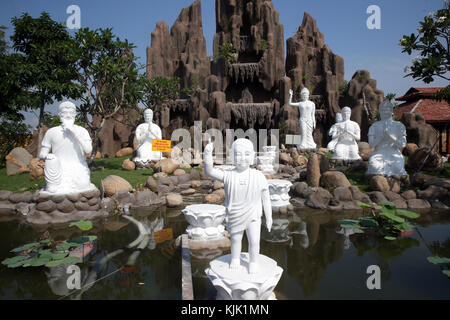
(161, 145)
(163, 235)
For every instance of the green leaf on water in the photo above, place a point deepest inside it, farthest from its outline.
(39, 262)
(26, 247)
(390, 215)
(446, 272)
(357, 230)
(63, 246)
(408, 214)
(59, 255)
(387, 204)
(68, 260)
(82, 225)
(364, 205)
(14, 260)
(438, 260)
(390, 238)
(83, 239)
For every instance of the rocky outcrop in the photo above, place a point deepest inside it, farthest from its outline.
(363, 98)
(17, 161)
(182, 52)
(310, 63)
(418, 131)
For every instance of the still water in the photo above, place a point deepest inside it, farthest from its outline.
(319, 261)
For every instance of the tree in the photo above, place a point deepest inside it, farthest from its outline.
(46, 65)
(432, 42)
(160, 90)
(109, 78)
(13, 133)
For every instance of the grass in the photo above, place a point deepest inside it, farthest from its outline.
(112, 166)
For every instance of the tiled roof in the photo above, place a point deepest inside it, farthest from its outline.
(432, 110)
(417, 93)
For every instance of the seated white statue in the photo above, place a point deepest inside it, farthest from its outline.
(334, 133)
(346, 134)
(247, 192)
(64, 150)
(387, 137)
(145, 133)
(307, 120)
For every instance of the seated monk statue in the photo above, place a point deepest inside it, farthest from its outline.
(388, 137)
(64, 150)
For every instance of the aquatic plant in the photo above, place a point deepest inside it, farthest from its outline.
(388, 223)
(441, 262)
(49, 252)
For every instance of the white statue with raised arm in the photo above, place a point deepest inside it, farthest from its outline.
(388, 137)
(307, 119)
(247, 193)
(346, 134)
(145, 133)
(64, 150)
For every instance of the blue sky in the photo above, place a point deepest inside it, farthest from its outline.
(342, 22)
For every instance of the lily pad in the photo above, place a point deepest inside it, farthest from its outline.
(59, 255)
(446, 272)
(438, 260)
(408, 214)
(390, 238)
(364, 205)
(26, 247)
(83, 239)
(387, 204)
(14, 260)
(82, 225)
(68, 260)
(388, 214)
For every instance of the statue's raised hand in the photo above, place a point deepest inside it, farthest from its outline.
(209, 148)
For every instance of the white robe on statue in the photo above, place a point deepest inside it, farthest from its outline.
(244, 198)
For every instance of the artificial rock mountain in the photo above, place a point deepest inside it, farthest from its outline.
(252, 90)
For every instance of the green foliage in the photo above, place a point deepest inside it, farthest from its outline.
(443, 94)
(442, 263)
(386, 223)
(48, 252)
(431, 42)
(343, 89)
(228, 52)
(108, 76)
(13, 133)
(160, 90)
(283, 128)
(82, 225)
(3, 43)
(263, 45)
(44, 69)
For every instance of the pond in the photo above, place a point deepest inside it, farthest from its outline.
(319, 261)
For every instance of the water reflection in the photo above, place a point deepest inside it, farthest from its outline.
(313, 250)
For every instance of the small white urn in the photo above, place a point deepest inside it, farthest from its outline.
(279, 192)
(206, 221)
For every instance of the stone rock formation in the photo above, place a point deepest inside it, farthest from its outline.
(243, 92)
(181, 53)
(17, 161)
(117, 132)
(310, 63)
(364, 98)
(418, 131)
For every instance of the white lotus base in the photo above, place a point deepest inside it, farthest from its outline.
(279, 192)
(212, 233)
(239, 284)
